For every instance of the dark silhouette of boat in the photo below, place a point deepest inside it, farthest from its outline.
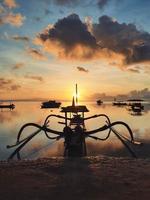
(99, 102)
(10, 106)
(75, 145)
(50, 104)
(135, 100)
(136, 107)
(119, 103)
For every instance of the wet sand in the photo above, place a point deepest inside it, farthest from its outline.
(91, 178)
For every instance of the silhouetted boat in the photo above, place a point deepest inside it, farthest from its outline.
(133, 100)
(50, 104)
(119, 103)
(10, 106)
(136, 107)
(99, 102)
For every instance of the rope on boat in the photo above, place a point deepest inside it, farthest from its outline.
(118, 135)
(16, 152)
(24, 141)
(42, 148)
(123, 142)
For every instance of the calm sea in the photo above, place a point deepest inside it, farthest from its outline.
(40, 146)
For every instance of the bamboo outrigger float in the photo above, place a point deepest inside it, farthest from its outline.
(74, 132)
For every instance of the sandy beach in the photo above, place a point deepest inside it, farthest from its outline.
(97, 177)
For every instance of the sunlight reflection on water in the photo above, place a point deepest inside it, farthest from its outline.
(11, 122)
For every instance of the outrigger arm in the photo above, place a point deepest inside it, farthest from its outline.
(20, 143)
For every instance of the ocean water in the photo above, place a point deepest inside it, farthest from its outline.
(40, 146)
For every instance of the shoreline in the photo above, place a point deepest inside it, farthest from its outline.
(94, 177)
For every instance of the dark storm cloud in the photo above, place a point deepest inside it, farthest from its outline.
(70, 31)
(82, 69)
(123, 38)
(71, 37)
(108, 39)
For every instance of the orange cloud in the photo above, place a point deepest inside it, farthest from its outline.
(79, 52)
(20, 38)
(10, 3)
(13, 19)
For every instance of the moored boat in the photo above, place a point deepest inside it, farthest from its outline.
(50, 104)
(119, 103)
(136, 107)
(99, 102)
(9, 106)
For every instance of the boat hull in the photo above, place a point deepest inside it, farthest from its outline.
(11, 106)
(119, 104)
(99, 102)
(56, 105)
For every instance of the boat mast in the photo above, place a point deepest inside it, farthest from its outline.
(73, 102)
(76, 94)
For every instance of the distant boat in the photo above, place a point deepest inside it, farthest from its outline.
(133, 100)
(10, 106)
(50, 104)
(119, 103)
(136, 107)
(99, 102)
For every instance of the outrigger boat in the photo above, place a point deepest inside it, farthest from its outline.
(74, 132)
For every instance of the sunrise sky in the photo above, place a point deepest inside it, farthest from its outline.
(46, 46)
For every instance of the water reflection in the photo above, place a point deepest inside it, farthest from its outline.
(7, 116)
(11, 121)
